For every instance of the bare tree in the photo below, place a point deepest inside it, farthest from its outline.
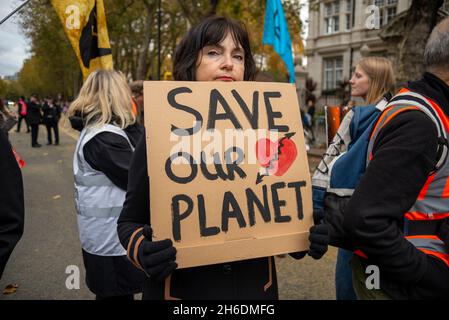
(213, 7)
(195, 10)
(142, 65)
(410, 34)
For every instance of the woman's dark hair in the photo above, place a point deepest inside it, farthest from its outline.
(210, 31)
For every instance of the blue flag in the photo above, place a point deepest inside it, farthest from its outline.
(276, 33)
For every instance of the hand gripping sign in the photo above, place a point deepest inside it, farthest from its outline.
(229, 177)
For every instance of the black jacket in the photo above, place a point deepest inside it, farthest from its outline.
(404, 154)
(51, 114)
(110, 153)
(34, 115)
(11, 202)
(235, 280)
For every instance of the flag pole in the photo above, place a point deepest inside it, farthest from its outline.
(12, 13)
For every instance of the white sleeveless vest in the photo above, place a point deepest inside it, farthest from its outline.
(98, 201)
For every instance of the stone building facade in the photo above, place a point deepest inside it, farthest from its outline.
(343, 31)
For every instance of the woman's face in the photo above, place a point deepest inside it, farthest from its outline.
(360, 83)
(222, 62)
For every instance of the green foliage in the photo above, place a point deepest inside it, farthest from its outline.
(53, 67)
(10, 90)
(132, 25)
(252, 13)
(3, 88)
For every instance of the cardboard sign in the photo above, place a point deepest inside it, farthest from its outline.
(229, 177)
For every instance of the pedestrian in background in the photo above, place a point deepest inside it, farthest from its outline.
(311, 110)
(51, 116)
(22, 112)
(34, 117)
(103, 113)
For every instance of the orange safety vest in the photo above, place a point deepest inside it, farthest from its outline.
(423, 219)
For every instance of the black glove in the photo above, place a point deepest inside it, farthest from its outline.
(319, 240)
(318, 237)
(157, 258)
(298, 255)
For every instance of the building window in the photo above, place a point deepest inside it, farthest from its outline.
(332, 17)
(387, 10)
(391, 13)
(333, 72)
(446, 5)
(348, 14)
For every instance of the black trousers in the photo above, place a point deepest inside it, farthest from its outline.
(34, 133)
(53, 126)
(112, 277)
(20, 121)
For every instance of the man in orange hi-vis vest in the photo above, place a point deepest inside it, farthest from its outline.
(84, 22)
(396, 221)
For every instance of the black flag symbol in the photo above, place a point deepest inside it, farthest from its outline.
(89, 40)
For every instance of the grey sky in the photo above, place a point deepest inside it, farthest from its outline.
(304, 14)
(13, 44)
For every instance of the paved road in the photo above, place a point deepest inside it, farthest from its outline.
(50, 242)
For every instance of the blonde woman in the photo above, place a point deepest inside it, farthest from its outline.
(372, 79)
(345, 160)
(109, 133)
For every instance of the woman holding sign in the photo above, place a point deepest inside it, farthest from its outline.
(217, 49)
(102, 112)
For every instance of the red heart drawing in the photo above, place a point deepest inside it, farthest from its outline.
(266, 151)
(276, 157)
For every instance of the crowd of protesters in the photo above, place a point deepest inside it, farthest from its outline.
(37, 111)
(31, 113)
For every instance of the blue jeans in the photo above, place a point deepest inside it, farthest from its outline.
(343, 276)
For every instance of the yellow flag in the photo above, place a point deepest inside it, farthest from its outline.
(84, 22)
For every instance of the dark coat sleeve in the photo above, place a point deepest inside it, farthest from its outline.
(136, 209)
(34, 113)
(111, 154)
(11, 202)
(404, 154)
